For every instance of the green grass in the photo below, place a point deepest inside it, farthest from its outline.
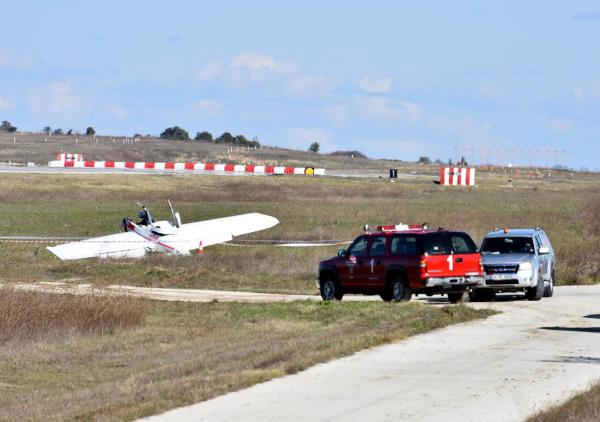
(308, 208)
(188, 352)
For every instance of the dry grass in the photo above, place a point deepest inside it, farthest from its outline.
(584, 407)
(32, 316)
(188, 352)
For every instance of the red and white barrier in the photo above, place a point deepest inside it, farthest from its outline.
(69, 157)
(63, 161)
(457, 176)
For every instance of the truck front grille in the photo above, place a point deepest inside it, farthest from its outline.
(501, 269)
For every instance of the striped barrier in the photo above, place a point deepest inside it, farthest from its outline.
(196, 167)
(457, 176)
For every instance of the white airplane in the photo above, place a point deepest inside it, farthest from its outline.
(163, 236)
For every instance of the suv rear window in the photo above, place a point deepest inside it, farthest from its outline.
(508, 244)
(461, 243)
(437, 244)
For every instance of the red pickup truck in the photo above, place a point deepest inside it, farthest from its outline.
(397, 261)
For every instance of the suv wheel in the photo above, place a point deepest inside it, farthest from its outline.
(397, 291)
(536, 293)
(330, 289)
(458, 297)
(549, 289)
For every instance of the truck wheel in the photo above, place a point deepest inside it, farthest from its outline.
(330, 289)
(458, 297)
(549, 289)
(397, 290)
(536, 293)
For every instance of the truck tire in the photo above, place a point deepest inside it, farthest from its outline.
(549, 289)
(330, 289)
(397, 290)
(482, 295)
(458, 297)
(537, 292)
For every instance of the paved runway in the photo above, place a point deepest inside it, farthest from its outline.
(504, 368)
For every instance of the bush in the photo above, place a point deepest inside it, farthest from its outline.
(353, 154)
(424, 160)
(203, 136)
(175, 132)
(58, 131)
(7, 126)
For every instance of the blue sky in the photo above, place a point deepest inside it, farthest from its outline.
(393, 79)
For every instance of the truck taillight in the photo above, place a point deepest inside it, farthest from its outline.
(480, 265)
(423, 262)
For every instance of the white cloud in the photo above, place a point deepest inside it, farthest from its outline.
(385, 108)
(560, 125)
(489, 92)
(5, 104)
(259, 62)
(209, 107)
(302, 137)
(118, 111)
(590, 90)
(337, 114)
(209, 71)
(307, 85)
(369, 84)
(58, 97)
(8, 61)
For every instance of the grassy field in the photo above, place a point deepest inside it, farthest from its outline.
(584, 407)
(308, 208)
(188, 352)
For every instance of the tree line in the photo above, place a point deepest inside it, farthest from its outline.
(177, 133)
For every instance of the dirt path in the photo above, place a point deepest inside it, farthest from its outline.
(505, 368)
(184, 295)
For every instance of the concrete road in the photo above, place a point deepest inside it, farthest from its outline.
(504, 368)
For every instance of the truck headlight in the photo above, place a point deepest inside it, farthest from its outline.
(525, 266)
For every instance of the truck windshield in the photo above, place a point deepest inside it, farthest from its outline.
(507, 245)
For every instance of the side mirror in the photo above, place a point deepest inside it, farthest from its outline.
(544, 250)
(342, 253)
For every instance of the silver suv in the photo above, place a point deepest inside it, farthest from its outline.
(517, 260)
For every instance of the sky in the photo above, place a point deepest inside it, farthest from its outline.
(509, 81)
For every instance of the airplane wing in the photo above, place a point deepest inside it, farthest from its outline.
(126, 244)
(218, 230)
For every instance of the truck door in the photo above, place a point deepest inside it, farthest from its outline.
(375, 270)
(356, 270)
(405, 252)
(542, 258)
(465, 256)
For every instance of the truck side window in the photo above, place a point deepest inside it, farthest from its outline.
(377, 246)
(358, 248)
(404, 245)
